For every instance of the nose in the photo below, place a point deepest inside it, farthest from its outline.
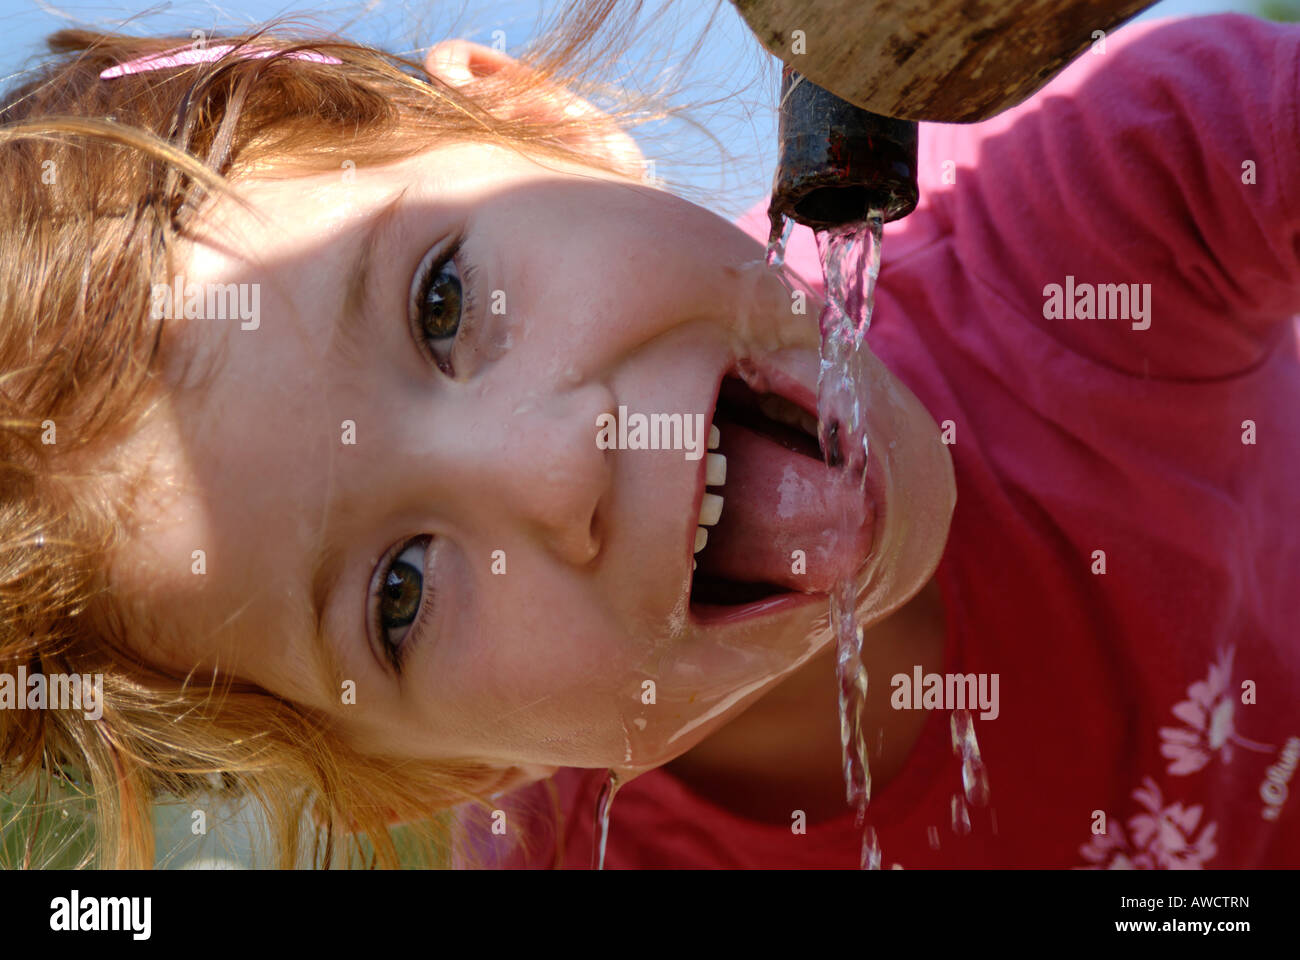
(557, 481)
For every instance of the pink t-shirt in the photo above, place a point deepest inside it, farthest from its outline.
(1164, 692)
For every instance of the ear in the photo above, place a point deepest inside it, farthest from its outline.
(463, 63)
(460, 61)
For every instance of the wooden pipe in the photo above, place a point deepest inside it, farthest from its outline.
(951, 61)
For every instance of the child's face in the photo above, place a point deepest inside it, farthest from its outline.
(556, 580)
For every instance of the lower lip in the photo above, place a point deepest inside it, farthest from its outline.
(782, 603)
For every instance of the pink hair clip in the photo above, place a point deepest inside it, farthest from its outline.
(183, 56)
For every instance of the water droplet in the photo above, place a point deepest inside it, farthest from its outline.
(777, 240)
(932, 833)
(870, 859)
(960, 816)
(975, 781)
(974, 776)
(962, 730)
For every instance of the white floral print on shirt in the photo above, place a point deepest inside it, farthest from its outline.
(1164, 837)
(1208, 715)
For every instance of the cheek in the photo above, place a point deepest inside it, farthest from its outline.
(529, 628)
(540, 671)
(544, 638)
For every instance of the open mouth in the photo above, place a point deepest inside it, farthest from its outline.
(763, 460)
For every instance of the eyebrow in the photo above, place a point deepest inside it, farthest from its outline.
(349, 336)
(348, 339)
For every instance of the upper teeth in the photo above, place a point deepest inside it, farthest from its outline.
(715, 475)
(715, 464)
(715, 469)
(783, 411)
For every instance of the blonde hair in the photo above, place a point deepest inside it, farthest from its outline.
(98, 181)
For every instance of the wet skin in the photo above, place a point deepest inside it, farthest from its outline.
(469, 448)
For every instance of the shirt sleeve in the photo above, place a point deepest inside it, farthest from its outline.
(1165, 161)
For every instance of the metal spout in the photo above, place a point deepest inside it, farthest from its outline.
(837, 161)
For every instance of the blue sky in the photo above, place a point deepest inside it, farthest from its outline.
(731, 66)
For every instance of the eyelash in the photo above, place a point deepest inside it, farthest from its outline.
(469, 303)
(423, 617)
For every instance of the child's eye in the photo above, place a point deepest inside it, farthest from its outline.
(398, 598)
(437, 308)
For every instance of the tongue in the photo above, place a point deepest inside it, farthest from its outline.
(777, 502)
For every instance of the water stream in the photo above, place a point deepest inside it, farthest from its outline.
(850, 259)
(851, 263)
(604, 801)
(974, 778)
